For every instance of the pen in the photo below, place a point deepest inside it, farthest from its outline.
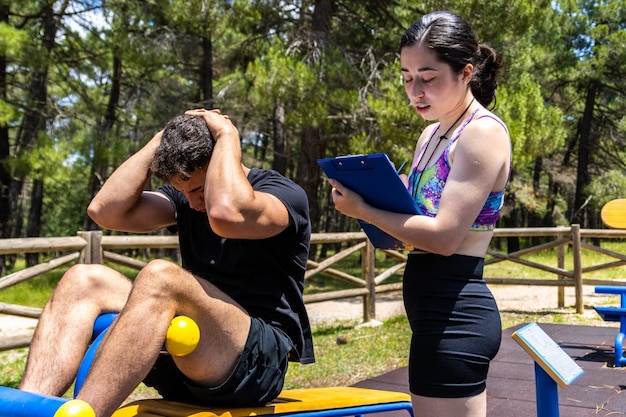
(400, 169)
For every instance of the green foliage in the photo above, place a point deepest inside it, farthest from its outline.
(63, 208)
(11, 40)
(398, 125)
(279, 77)
(8, 113)
(11, 46)
(341, 81)
(536, 128)
(607, 186)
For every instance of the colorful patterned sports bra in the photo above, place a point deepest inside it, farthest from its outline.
(432, 180)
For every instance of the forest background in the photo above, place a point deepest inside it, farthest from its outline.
(84, 84)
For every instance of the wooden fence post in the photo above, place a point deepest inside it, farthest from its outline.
(560, 263)
(578, 269)
(92, 253)
(369, 273)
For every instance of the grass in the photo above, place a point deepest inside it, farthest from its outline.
(549, 258)
(36, 291)
(347, 353)
(11, 367)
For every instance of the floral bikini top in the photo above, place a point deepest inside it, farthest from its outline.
(432, 180)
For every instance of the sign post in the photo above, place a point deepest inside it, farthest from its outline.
(552, 366)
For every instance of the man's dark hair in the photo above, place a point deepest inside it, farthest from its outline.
(186, 145)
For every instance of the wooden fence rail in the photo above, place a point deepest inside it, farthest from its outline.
(93, 247)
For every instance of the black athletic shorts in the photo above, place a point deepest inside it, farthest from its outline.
(455, 322)
(257, 379)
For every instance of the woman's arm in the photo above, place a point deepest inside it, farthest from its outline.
(480, 165)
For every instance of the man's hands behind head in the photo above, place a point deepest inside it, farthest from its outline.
(219, 124)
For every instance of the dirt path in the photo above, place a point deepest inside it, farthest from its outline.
(509, 297)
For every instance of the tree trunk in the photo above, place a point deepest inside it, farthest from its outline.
(308, 172)
(534, 218)
(36, 116)
(553, 192)
(322, 17)
(311, 148)
(512, 219)
(34, 123)
(280, 139)
(206, 73)
(33, 229)
(98, 163)
(584, 146)
(5, 176)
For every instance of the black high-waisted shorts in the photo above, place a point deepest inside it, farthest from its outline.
(455, 322)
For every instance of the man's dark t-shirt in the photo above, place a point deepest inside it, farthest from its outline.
(265, 276)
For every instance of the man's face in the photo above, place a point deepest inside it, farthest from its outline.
(193, 189)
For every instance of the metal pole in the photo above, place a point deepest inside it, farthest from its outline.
(547, 394)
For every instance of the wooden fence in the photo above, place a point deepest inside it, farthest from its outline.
(94, 247)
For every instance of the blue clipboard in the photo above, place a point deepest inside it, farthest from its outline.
(375, 179)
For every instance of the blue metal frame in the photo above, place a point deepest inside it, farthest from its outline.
(357, 411)
(616, 314)
(100, 327)
(17, 403)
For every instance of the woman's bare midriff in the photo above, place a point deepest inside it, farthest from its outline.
(475, 244)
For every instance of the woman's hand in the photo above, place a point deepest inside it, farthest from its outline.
(346, 201)
(405, 179)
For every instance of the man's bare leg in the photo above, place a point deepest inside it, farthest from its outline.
(64, 330)
(127, 353)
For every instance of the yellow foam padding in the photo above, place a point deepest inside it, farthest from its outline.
(289, 401)
(613, 214)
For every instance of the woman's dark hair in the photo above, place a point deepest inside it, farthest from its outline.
(186, 145)
(455, 43)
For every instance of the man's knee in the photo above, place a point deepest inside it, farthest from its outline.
(84, 278)
(159, 276)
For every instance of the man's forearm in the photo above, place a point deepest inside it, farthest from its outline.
(122, 189)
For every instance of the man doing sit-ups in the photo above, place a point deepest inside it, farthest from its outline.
(244, 237)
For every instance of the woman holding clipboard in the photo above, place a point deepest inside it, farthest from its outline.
(458, 178)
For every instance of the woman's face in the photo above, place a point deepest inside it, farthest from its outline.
(431, 86)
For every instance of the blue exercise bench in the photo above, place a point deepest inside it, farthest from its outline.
(312, 402)
(615, 314)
